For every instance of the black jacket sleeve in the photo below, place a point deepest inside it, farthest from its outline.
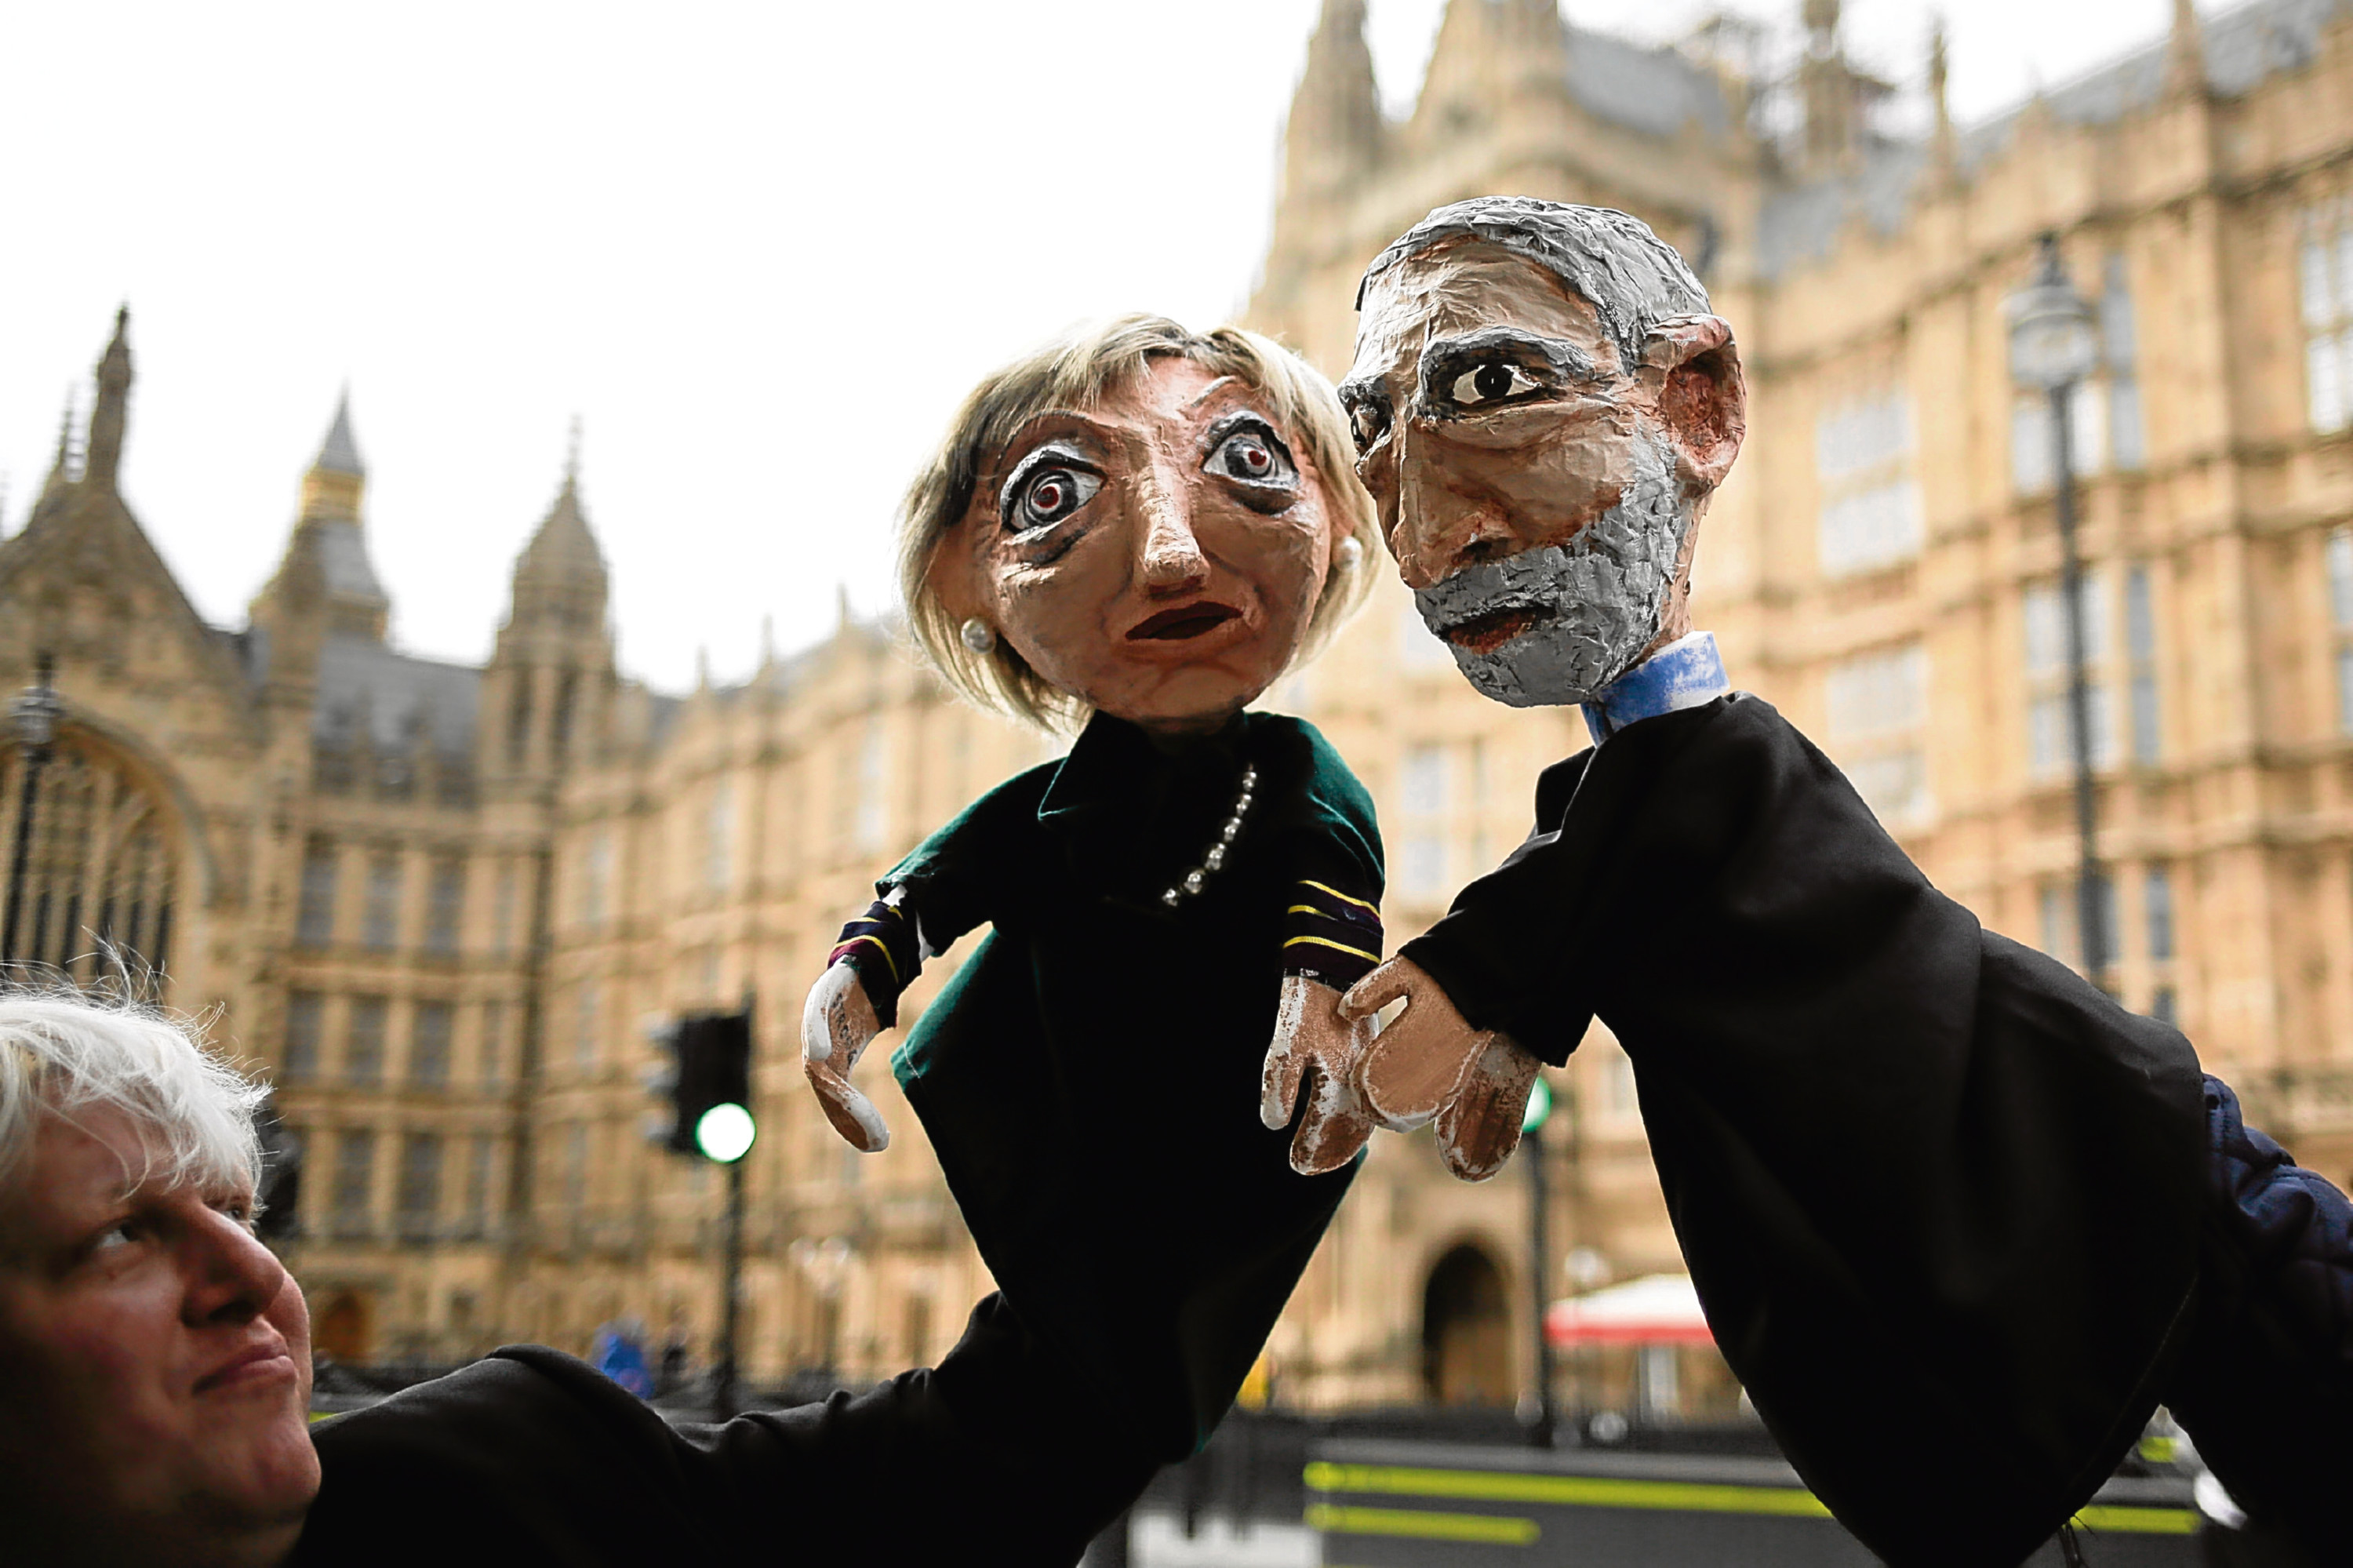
(1938, 1195)
(531, 1457)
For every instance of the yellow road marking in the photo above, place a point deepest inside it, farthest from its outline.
(1422, 1526)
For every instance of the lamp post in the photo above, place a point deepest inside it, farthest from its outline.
(1541, 1416)
(35, 715)
(2053, 345)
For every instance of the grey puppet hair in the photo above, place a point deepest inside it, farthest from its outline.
(1633, 278)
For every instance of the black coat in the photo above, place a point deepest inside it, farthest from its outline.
(1089, 1078)
(532, 1460)
(1940, 1197)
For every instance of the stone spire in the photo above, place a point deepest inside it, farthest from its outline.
(1333, 138)
(337, 478)
(2184, 53)
(560, 579)
(106, 417)
(326, 583)
(1944, 147)
(61, 475)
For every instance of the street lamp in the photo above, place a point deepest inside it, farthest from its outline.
(1540, 1412)
(2054, 345)
(35, 716)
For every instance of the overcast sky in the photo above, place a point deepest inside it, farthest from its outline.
(760, 250)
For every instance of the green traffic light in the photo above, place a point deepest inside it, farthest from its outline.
(1539, 1107)
(725, 1133)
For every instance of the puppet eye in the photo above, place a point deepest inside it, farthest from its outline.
(1052, 495)
(1368, 421)
(1488, 383)
(1253, 456)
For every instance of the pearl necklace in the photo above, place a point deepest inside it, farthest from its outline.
(1192, 881)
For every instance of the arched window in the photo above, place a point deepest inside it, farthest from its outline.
(97, 882)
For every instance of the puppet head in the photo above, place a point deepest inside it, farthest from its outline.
(1139, 520)
(1542, 408)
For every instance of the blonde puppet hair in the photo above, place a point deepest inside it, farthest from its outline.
(64, 1054)
(1076, 373)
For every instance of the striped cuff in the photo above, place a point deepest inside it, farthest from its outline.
(880, 946)
(1330, 936)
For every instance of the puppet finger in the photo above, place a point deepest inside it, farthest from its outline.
(1287, 1057)
(1478, 1130)
(851, 1113)
(1385, 985)
(1333, 1127)
(831, 1025)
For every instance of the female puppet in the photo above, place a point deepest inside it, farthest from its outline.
(1142, 528)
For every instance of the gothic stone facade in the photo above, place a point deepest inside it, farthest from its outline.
(437, 903)
(1882, 565)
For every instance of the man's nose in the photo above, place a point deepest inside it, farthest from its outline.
(231, 1276)
(1439, 529)
(1168, 556)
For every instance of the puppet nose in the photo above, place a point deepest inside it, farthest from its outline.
(1440, 531)
(1169, 554)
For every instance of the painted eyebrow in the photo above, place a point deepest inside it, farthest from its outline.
(1442, 358)
(1208, 392)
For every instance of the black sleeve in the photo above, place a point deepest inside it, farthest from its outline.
(1939, 1195)
(2265, 1386)
(530, 1457)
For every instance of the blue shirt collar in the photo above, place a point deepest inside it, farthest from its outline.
(1685, 673)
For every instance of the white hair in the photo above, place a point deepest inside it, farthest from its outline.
(66, 1054)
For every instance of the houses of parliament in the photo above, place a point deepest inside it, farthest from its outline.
(435, 903)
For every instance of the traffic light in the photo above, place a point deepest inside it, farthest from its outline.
(1539, 1109)
(708, 1082)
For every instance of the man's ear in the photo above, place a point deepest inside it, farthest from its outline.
(1703, 398)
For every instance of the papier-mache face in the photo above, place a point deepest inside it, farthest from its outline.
(1540, 485)
(1158, 555)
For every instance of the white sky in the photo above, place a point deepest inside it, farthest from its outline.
(761, 249)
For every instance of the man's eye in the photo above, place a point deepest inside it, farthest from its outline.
(1489, 383)
(1052, 495)
(1368, 422)
(1254, 457)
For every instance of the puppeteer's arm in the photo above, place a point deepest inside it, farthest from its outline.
(927, 902)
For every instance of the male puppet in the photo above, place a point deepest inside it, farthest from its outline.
(1940, 1196)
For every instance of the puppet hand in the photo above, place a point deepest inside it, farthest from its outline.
(1315, 1049)
(837, 1025)
(1480, 1126)
(1414, 1067)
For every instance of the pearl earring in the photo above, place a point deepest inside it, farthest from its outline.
(977, 635)
(1352, 550)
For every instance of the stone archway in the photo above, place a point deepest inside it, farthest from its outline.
(1466, 1324)
(96, 901)
(342, 1329)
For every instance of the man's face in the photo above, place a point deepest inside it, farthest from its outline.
(1539, 504)
(154, 1357)
(1158, 555)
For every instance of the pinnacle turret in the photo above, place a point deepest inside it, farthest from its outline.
(1333, 137)
(107, 416)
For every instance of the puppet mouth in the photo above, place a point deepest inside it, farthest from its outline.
(1183, 622)
(1485, 633)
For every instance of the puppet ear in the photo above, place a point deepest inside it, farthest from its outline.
(1703, 398)
(952, 578)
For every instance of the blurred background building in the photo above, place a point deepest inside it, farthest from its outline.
(439, 904)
